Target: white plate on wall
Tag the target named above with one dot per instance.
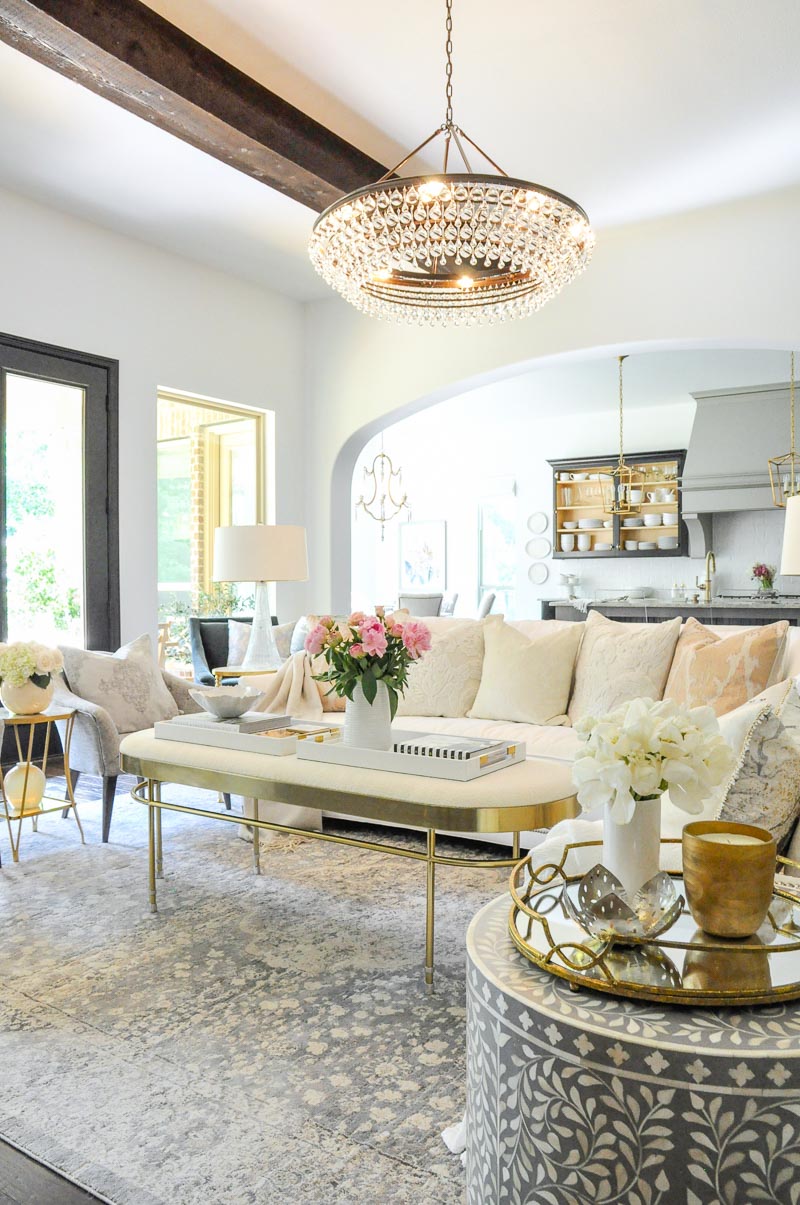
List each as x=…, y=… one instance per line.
x=538, y=548
x=538, y=574
x=538, y=522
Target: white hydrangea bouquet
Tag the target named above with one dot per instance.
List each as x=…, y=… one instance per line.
x=25, y=659
x=629, y=758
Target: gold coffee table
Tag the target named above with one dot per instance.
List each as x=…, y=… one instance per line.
x=13, y=817
x=236, y=671
x=531, y=794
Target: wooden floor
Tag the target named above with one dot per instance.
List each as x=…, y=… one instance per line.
x=23, y=1181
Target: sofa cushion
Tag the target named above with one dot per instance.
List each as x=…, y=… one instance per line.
x=128, y=684
x=526, y=678
x=618, y=662
x=724, y=672
x=444, y=681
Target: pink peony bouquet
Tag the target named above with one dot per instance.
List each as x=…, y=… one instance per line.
x=368, y=649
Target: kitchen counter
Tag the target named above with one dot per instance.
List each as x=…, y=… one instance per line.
x=719, y=611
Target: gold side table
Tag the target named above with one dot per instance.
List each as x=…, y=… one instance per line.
x=236, y=671
x=13, y=817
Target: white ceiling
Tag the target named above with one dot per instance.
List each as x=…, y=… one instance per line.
x=633, y=107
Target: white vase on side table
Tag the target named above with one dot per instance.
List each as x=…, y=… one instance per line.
x=631, y=851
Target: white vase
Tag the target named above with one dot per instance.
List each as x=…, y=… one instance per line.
x=28, y=699
x=368, y=725
x=631, y=851
x=24, y=787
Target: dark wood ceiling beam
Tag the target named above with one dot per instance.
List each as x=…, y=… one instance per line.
x=129, y=54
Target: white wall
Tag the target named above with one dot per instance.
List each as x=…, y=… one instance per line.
x=169, y=322
x=724, y=276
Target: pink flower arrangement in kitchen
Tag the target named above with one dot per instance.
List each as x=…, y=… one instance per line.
x=764, y=575
x=366, y=650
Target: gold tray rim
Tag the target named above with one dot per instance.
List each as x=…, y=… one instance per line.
x=686, y=997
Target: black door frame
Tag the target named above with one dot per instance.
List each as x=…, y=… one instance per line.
x=98, y=376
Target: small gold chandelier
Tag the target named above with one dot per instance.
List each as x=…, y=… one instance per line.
x=622, y=474
x=381, y=504
x=451, y=248
x=784, y=471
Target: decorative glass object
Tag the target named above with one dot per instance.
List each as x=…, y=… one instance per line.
x=451, y=248
x=605, y=909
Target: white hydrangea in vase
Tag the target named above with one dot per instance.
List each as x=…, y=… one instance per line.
x=26, y=676
x=628, y=759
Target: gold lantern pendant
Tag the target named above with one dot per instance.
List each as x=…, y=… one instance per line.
x=784, y=471
x=622, y=474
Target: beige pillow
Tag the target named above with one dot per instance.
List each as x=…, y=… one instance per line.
x=724, y=672
x=128, y=683
x=526, y=678
x=445, y=680
x=619, y=662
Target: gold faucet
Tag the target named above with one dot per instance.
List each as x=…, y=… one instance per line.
x=705, y=586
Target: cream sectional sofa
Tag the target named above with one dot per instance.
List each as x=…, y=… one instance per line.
x=455, y=683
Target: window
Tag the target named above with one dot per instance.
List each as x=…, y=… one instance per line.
x=211, y=473
x=498, y=558
x=59, y=576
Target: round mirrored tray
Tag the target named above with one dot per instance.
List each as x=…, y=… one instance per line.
x=681, y=965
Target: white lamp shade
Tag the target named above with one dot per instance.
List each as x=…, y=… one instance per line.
x=260, y=554
x=790, y=558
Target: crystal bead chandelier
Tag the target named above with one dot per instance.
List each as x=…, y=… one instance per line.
x=379, y=500
x=784, y=471
x=451, y=248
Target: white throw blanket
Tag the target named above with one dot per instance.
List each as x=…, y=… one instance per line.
x=292, y=690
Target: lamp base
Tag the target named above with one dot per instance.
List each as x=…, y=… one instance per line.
x=262, y=652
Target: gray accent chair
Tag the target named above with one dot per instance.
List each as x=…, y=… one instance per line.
x=96, y=739
x=448, y=606
x=486, y=604
x=420, y=605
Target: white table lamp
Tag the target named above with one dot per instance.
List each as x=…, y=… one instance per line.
x=260, y=554
x=790, y=557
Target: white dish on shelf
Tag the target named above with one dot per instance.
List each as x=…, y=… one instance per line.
x=633, y=521
x=589, y=524
x=652, y=520
x=667, y=543
x=584, y=543
x=669, y=518
x=608, y=522
x=602, y=547
x=580, y=476
x=568, y=543
x=647, y=545
x=631, y=545
x=569, y=524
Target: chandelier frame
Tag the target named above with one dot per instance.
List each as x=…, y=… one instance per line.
x=382, y=481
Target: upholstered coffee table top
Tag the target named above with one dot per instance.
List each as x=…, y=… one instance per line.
x=534, y=793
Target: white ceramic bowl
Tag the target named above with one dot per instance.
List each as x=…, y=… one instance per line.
x=227, y=702
x=669, y=518
x=569, y=524
x=602, y=547
x=568, y=543
x=652, y=520
x=590, y=524
x=631, y=545
x=633, y=521
x=647, y=545
x=608, y=522
x=580, y=476
x=584, y=543
x=668, y=542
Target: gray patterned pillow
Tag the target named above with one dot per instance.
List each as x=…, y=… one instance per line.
x=128, y=683
x=766, y=789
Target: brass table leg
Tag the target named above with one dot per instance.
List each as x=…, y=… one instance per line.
x=159, y=841
x=151, y=841
x=430, y=904
x=515, y=849
x=256, y=842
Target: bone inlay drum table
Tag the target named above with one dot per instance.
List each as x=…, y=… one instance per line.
x=576, y=1097
x=531, y=794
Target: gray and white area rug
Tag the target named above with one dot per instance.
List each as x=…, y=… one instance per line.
x=259, y=1040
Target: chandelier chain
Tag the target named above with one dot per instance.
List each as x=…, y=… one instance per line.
x=448, y=49
x=621, y=414
x=791, y=404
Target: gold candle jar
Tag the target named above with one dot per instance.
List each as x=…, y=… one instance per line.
x=712, y=965
x=728, y=876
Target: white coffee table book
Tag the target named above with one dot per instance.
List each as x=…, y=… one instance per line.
x=459, y=759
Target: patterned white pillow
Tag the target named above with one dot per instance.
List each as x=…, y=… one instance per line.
x=128, y=683
x=444, y=682
x=238, y=639
x=619, y=662
x=766, y=789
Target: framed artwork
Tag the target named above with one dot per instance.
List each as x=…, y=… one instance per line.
x=423, y=555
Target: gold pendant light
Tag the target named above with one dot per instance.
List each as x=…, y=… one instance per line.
x=622, y=475
x=784, y=471
x=451, y=248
